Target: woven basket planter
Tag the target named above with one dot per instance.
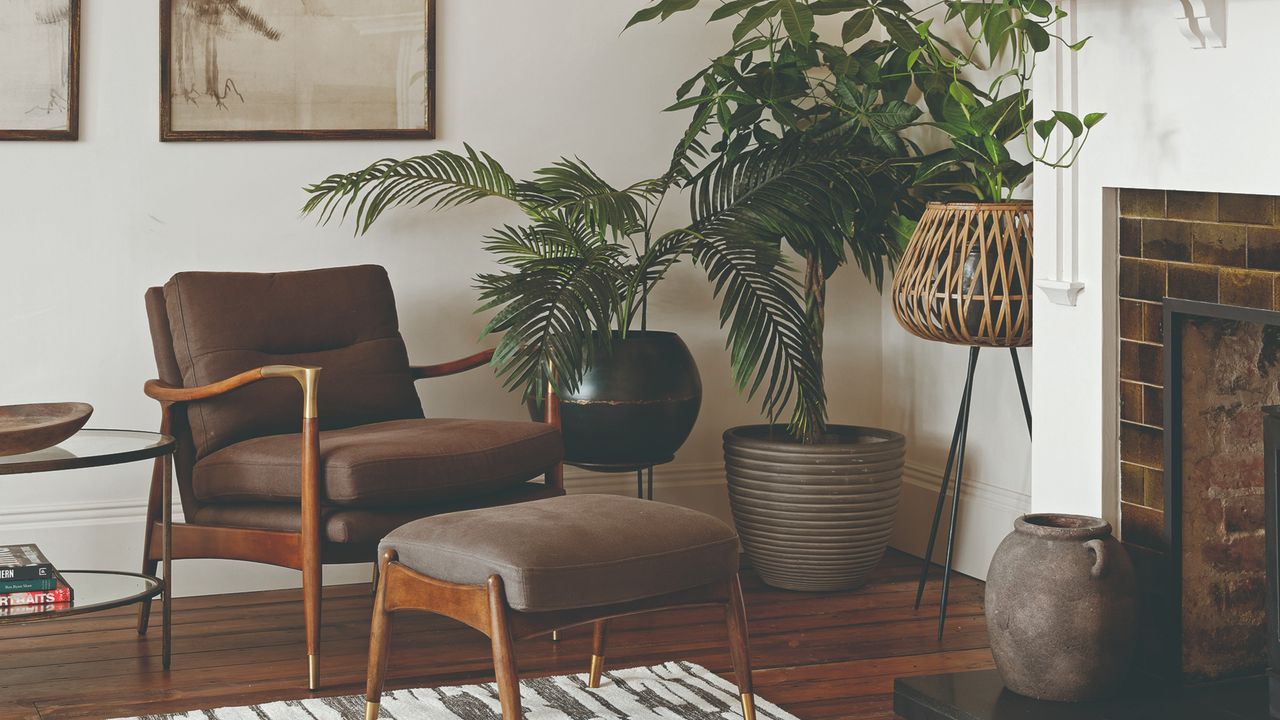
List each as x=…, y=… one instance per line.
x=814, y=517
x=966, y=275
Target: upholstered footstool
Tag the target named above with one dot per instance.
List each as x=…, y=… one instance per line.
x=523, y=570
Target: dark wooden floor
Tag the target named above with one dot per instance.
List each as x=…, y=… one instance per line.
x=817, y=656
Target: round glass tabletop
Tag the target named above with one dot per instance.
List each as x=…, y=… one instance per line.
x=92, y=590
x=90, y=448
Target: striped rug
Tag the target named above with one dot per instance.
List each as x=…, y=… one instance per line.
x=676, y=690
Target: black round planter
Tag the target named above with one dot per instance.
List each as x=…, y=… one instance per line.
x=636, y=405
x=814, y=517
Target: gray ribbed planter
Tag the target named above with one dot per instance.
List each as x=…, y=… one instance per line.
x=814, y=517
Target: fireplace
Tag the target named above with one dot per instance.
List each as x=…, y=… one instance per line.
x=1199, y=359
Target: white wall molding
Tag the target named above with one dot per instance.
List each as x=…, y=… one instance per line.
x=971, y=489
x=71, y=514
x=132, y=510
x=987, y=512
x=1056, y=190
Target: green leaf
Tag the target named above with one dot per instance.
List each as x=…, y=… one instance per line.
x=962, y=94
x=671, y=7
x=754, y=17
x=835, y=7
x=1039, y=8
x=1044, y=128
x=645, y=15
x=1080, y=44
x=1093, y=119
x=733, y=7
x=1037, y=35
x=900, y=31
x=797, y=19
x=1070, y=122
x=444, y=178
x=857, y=25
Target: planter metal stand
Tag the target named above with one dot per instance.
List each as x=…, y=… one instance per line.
x=955, y=458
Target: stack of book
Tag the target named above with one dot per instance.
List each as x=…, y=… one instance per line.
x=29, y=583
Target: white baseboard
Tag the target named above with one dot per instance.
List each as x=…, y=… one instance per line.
x=987, y=512
x=108, y=535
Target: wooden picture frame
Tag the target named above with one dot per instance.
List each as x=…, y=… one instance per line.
x=63, y=96
x=206, y=113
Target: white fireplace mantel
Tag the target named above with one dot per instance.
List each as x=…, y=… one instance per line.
x=1178, y=117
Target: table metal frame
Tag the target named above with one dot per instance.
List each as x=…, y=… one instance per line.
x=164, y=448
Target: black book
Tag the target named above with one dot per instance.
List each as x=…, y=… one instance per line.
x=24, y=562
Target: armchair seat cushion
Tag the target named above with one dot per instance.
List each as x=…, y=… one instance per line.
x=387, y=464
x=357, y=526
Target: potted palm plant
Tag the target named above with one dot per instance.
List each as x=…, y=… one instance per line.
x=574, y=282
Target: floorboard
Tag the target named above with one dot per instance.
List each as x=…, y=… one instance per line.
x=820, y=656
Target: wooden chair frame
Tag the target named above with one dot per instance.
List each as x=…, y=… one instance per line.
x=484, y=607
x=304, y=550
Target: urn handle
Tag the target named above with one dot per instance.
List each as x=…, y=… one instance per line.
x=1099, y=549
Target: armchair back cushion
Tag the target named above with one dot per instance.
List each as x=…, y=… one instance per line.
x=340, y=319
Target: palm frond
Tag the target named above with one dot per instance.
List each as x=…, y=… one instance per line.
x=443, y=178
x=555, y=309
x=768, y=334
x=664, y=252
x=571, y=187
x=745, y=209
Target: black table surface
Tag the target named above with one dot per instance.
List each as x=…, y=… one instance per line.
x=981, y=695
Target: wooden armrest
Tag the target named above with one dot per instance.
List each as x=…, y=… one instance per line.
x=453, y=367
x=306, y=377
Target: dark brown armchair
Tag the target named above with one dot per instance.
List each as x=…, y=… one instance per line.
x=301, y=438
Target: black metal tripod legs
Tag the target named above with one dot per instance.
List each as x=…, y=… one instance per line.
x=955, y=458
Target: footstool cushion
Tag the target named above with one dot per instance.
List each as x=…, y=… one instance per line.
x=575, y=551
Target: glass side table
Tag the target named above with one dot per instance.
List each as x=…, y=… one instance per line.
x=96, y=589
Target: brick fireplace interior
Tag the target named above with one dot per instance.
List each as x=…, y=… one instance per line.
x=1222, y=250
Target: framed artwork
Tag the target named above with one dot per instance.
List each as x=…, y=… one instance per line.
x=297, y=69
x=39, y=69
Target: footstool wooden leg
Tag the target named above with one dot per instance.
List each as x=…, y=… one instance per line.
x=597, y=653
x=504, y=653
x=379, y=641
x=736, y=617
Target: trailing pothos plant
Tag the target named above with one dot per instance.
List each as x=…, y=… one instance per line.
x=858, y=93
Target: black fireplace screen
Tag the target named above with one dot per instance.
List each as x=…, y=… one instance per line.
x=1222, y=367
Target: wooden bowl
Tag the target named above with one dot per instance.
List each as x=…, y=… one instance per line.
x=27, y=428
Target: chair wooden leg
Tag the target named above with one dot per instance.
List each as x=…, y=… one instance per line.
x=504, y=654
x=597, y=653
x=312, y=574
x=379, y=642
x=736, y=618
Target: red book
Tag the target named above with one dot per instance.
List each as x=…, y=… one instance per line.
x=17, y=610
x=59, y=595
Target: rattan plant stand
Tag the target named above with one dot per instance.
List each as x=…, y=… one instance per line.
x=965, y=279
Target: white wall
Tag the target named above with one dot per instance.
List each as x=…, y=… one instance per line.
x=1180, y=119
x=85, y=227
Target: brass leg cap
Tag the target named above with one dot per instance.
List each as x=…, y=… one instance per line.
x=748, y=706
x=313, y=672
x=555, y=636
x=597, y=667
x=371, y=710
